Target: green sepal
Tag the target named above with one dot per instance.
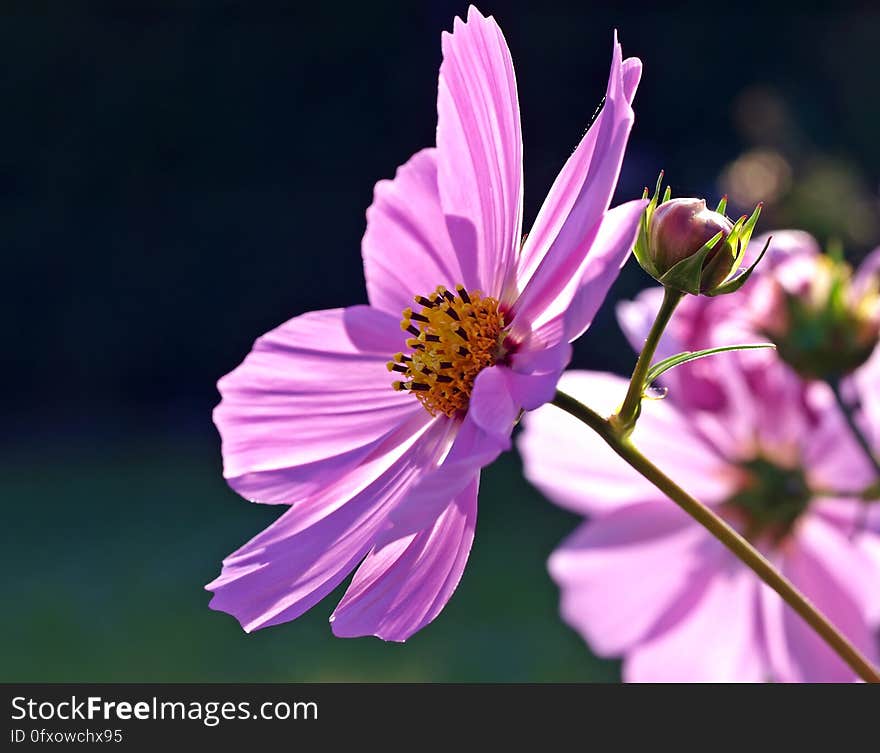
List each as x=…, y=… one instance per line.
x=750, y=223
x=722, y=206
x=734, y=284
x=657, y=199
x=739, y=238
x=744, y=236
x=687, y=274
x=677, y=360
x=640, y=249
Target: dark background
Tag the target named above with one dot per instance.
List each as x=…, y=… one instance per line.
x=177, y=178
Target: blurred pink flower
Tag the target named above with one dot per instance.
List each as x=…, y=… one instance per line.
x=743, y=433
x=385, y=480
x=792, y=264
x=643, y=580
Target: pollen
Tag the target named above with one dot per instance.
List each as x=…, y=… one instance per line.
x=454, y=336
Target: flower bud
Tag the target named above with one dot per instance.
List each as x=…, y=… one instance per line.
x=680, y=228
x=690, y=248
x=823, y=325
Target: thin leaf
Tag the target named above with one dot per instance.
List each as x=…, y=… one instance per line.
x=677, y=360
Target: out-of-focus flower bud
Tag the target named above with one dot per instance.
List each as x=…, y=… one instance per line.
x=822, y=323
x=688, y=247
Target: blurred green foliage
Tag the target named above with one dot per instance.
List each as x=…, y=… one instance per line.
x=114, y=542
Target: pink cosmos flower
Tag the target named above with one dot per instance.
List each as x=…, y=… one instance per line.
x=380, y=470
x=641, y=579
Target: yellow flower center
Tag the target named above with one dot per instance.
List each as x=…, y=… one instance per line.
x=454, y=337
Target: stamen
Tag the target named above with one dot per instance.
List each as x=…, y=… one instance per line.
x=439, y=370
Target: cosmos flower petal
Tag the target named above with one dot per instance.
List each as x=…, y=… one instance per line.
x=492, y=408
x=640, y=558
x=865, y=382
x=869, y=544
x=479, y=152
x=577, y=470
x=632, y=74
x=582, y=290
x=720, y=616
x=784, y=245
x=778, y=421
x=832, y=546
x=402, y=585
x=832, y=456
x=613, y=243
x=577, y=201
x=845, y=513
x=482, y=437
x=537, y=357
x=311, y=401
x=818, y=561
x=306, y=553
x=406, y=248
x=535, y=371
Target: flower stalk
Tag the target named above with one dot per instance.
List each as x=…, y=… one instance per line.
x=620, y=442
x=848, y=414
x=847, y=411
x=625, y=419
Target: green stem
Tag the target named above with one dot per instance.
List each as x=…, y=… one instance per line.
x=845, y=408
x=847, y=411
x=629, y=411
x=724, y=533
